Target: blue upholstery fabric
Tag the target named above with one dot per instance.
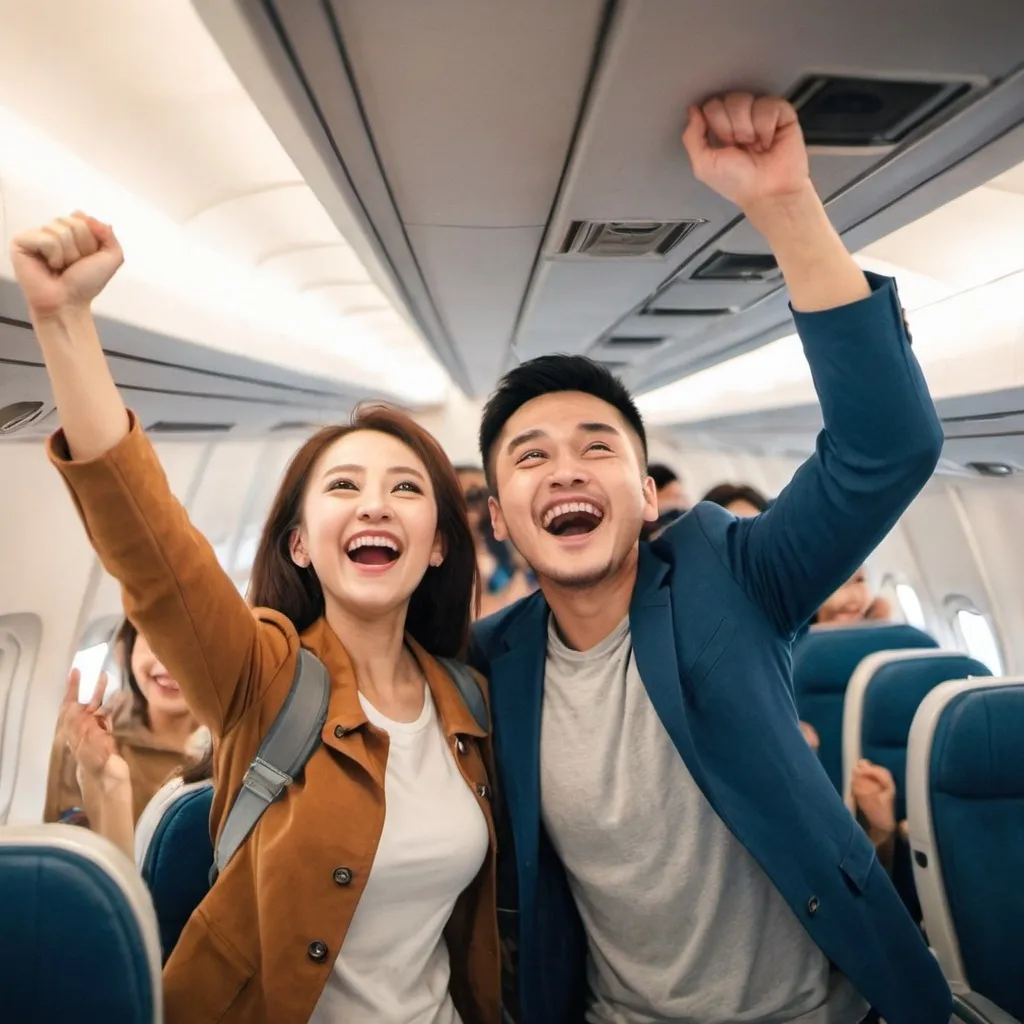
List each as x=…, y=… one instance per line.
x=178, y=862
x=71, y=947
x=823, y=662
x=890, y=703
x=977, y=800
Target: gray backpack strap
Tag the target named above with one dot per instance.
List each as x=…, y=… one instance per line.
x=469, y=690
x=288, y=745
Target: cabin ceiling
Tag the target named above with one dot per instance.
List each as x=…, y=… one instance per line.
x=475, y=139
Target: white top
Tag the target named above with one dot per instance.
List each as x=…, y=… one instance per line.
x=682, y=923
x=393, y=965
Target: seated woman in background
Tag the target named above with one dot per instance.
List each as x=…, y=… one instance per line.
x=150, y=728
x=104, y=777
x=854, y=602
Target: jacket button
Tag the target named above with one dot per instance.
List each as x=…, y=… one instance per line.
x=461, y=747
x=340, y=732
x=482, y=791
x=317, y=951
x=812, y=905
x=342, y=876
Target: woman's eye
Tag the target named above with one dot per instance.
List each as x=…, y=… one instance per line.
x=341, y=485
x=409, y=487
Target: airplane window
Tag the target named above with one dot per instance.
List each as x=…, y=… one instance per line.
x=978, y=639
x=19, y=642
x=95, y=655
x=910, y=603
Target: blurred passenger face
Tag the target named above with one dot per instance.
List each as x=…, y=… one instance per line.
x=849, y=603
x=743, y=508
x=572, y=491
x=671, y=497
x=474, y=490
x=162, y=693
x=369, y=524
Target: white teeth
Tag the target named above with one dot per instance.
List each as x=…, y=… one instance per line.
x=371, y=541
x=570, y=506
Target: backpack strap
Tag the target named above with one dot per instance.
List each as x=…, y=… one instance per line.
x=469, y=690
x=287, y=746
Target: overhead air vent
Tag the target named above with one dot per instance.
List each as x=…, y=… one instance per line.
x=996, y=469
x=737, y=266
x=669, y=311
x=627, y=341
x=614, y=366
x=290, y=425
x=171, y=427
x=868, y=112
x=626, y=239
x=19, y=415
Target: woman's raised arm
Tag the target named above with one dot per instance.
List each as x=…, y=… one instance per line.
x=174, y=588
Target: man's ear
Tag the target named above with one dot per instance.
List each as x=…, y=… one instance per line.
x=497, y=519
x=297, y=549
x=650, y=500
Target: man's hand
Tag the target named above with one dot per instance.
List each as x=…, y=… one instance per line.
x=748, y=149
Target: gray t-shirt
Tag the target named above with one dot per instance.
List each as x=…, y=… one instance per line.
x=682, y=923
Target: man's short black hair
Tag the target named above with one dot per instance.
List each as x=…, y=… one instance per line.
x=661, y=475
x=546, y=375
x=726, y=494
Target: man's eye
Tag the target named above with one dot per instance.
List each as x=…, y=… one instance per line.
x=534, y=454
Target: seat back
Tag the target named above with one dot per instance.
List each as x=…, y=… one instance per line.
x=965, y=799
x=176, y=857
x=824, y=659
x=79, y=936
x=881, y=700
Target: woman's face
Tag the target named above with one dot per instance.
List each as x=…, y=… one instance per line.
x=849, y=603
x=162, y=693
x=369, y=524
x=742, y=508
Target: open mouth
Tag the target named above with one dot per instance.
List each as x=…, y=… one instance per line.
x=372, y=549
x=572, y=519
x=167, y=684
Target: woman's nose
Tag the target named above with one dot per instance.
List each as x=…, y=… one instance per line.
x=374, y=512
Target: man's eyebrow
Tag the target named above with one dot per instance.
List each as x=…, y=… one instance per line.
x=598, y=428
x=523, y=438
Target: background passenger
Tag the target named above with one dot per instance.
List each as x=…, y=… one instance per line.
x=854, y=601
x=740, y=499
x=670, y=493
x=150, y=726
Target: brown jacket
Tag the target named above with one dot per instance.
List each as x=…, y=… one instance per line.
x=151, y=761
x=252, y=951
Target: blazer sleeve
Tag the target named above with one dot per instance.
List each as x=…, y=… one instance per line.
x=880, y=442
x=173, y=587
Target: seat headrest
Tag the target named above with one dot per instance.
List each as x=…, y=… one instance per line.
x=976, y=751
x=897, y=688
x=79, y=940
x=825, y=658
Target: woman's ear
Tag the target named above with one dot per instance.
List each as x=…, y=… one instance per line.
x=297, y=549
x=437, y=551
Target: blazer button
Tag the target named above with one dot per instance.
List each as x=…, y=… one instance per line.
x=483, y=792
x=460, y=746
x=340, y=732
x=317, y=951
x=342, y=876
x=812, y=905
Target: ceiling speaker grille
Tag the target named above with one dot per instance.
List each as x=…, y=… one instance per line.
x=626, y=239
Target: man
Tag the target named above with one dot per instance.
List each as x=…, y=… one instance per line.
x=668, y=487
x=675, y=851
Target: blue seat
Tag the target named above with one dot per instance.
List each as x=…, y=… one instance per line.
x=78, y=941
x=965, y=798
x=824, y=659
x=175, y=859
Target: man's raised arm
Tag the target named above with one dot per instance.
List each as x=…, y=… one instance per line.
x=881, y=438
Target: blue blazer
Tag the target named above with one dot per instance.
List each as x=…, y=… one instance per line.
x=716, y=605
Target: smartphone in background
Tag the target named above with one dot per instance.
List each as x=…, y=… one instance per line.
x=90, y=661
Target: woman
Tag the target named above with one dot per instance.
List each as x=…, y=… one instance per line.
x=151, y=730
x=367, y=892
x=853, y=602
x=108, y=790
x=740, y=499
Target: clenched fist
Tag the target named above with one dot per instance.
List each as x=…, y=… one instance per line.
x=748, y=149
x=65, y=264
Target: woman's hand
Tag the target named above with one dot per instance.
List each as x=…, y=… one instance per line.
x=874, y=792
x=62, y=266
x=86, y=730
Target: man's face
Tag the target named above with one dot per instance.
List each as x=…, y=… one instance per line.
x=474, y=490
x=572, y=494
x=671, y=497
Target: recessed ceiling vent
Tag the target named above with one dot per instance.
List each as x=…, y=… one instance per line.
x=629, y=341
x=289, y=425
x=863, y=112
x=626, y=239
x=996, y=469
x=19, y=415
x=171, y=427
x=737, y=266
